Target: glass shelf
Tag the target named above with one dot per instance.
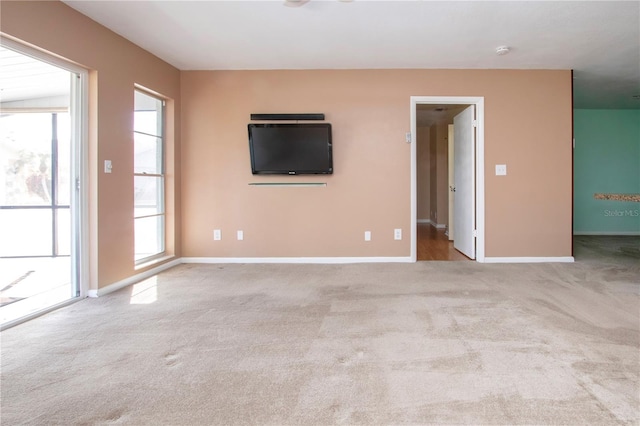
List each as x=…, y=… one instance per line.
x=299, y=184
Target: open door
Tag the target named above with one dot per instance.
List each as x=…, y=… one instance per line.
x=464, y=217
x=451, y=181
x=41, y=163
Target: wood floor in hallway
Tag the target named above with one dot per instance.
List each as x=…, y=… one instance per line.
x=433, y=244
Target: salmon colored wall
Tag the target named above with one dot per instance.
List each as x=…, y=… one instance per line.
x=116, y=65
x=527, y=127
x=423, y=170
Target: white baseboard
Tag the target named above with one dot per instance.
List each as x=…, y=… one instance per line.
x=567, y=259
x=605, y=233
x=432, y=223
x=300, y=260
x=399, y=259
x=133, y=279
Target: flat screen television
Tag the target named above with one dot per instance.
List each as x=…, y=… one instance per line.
x=291, y=149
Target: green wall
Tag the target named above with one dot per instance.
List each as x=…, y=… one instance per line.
x=606, y=159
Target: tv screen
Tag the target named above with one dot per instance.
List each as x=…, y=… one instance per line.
x=291, y=149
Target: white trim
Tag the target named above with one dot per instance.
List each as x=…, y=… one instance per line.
x=480, y=205
x=607, y=233
x=154, y=260
x=432, y=223
x=321, y=260
x=480, y=236
x=80, y=101
x=39, y=54
x=134, y=279
x=413, y=248
x=567, y=259
x=280, y=260
x=160, y=133
x=37, y=314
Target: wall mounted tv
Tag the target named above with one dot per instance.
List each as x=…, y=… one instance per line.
x=291, y=149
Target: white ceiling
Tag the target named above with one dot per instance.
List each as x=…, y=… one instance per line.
x=429, y=114
x=599, y=40
x=22, y=77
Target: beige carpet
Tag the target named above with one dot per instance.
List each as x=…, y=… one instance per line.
x=425, y=343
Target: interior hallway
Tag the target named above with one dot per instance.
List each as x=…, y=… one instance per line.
x=433, y=244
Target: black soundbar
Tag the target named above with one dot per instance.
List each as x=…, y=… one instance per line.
x=287, y=116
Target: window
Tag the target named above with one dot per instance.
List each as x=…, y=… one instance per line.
x=149, y=178
x=36, y=184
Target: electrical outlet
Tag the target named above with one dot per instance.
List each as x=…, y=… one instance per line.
x=397, y=234
x=501, y=169
x=367, y=235
x=217, y=235
x=240, y=235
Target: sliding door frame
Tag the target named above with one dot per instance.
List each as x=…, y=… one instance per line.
x=79, y=202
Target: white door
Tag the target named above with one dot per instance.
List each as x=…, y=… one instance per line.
x=451, y=181
x=464, y=216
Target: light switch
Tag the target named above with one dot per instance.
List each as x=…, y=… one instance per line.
x=367, y=235
x=240, y=235
x=501, y=169
x=107, y=166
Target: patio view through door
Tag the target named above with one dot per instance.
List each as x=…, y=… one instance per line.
x=39, y=179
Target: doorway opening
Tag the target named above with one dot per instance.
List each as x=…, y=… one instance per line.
x=427, y=229
x=41, y=172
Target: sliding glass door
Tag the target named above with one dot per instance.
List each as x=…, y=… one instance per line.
x=39, y=178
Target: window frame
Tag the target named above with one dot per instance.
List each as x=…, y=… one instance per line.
x=161, y=176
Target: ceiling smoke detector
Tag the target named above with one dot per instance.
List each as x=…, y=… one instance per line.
x=298, y=3
x=502, y=50
x=295, y=3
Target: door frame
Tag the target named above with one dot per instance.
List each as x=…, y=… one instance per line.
x=79, y=98
x=478, y=101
